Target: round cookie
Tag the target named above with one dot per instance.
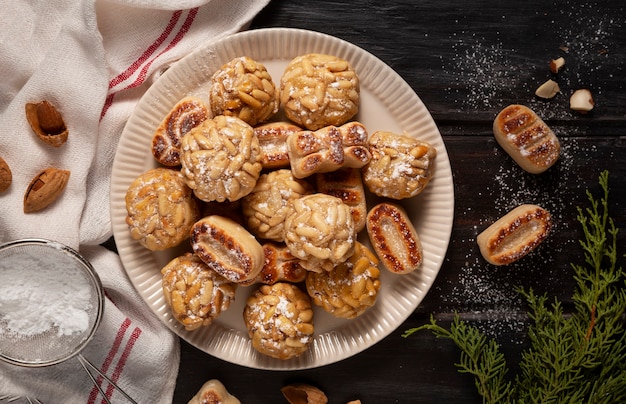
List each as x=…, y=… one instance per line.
x=318, y=90
x=160, y=209
x=221, y=159
x=269, y=203
x=320, y=231
x=279, y=319
x=351, y=288
x=195, y=293
x=244, y=88
x=401, y=166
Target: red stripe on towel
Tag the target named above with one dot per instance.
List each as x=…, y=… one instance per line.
x=109, y=359
x=148, y=52
x=144, y=70
x=121, y=363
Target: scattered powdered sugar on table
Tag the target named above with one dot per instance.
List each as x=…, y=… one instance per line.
x=486, y=71
x=50, y=297
x=483, y=74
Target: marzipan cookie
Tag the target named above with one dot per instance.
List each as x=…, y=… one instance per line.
x=515, y=234
x=318, y=90
x=280, y=265
x=221, y=159
x=166, y=141
x=273, y=142
x=526, y=138
x=401, y=166
x=213, y=392
x=227, y=248
x=195, y=293
x=160, y=209
x=351, y=288
x=279, y=319
x=320, y=231
x=243, y=88
x=328, y=149
x=346, y=184
x=269, y=203
x=394, y=238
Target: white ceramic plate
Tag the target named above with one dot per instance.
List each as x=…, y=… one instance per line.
x=387, y=103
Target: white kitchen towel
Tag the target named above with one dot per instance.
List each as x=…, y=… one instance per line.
x=93, y=60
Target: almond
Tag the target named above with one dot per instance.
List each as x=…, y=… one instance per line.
x=581, y=101
x=300, y=393
x=557, y=64
x=44, y=189
x=47, y=123
x=548, y=89
x=5, y=175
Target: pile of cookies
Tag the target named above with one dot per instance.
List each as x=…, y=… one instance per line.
x=268, y=184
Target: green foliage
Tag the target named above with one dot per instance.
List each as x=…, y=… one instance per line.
x=571, y=358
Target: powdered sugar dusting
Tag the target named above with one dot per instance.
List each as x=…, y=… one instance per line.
x=35, y=301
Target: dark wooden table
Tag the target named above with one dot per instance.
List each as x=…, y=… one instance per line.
x=467, y=60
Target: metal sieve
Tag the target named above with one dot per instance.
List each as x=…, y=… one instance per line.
x=27, y=265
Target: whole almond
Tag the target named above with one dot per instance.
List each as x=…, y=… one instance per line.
x=5, y=175
x=47, y=122
x=50, y=120
x=301, y=393
x=44, y=189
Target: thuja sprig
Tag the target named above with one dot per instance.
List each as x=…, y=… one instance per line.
x=577, y=358
x=480, y=357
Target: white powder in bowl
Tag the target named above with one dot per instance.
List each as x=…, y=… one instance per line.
x=42, y=293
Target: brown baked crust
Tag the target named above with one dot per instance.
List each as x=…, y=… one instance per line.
x=273, y=143
x=227, y=248
x=526, y=138
x=280, y=265
x=184, y=116
x=515, y=234
x=328, y=149
x=346, y=184
x=394, y=238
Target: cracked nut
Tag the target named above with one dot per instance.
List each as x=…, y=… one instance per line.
x=548, y=89
x=557, y=64
x=300, y=393
x=5, y=175
x=47, y=123
x=44, y=189
x=581, y=101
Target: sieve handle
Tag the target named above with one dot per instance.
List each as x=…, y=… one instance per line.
x=86, y=364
